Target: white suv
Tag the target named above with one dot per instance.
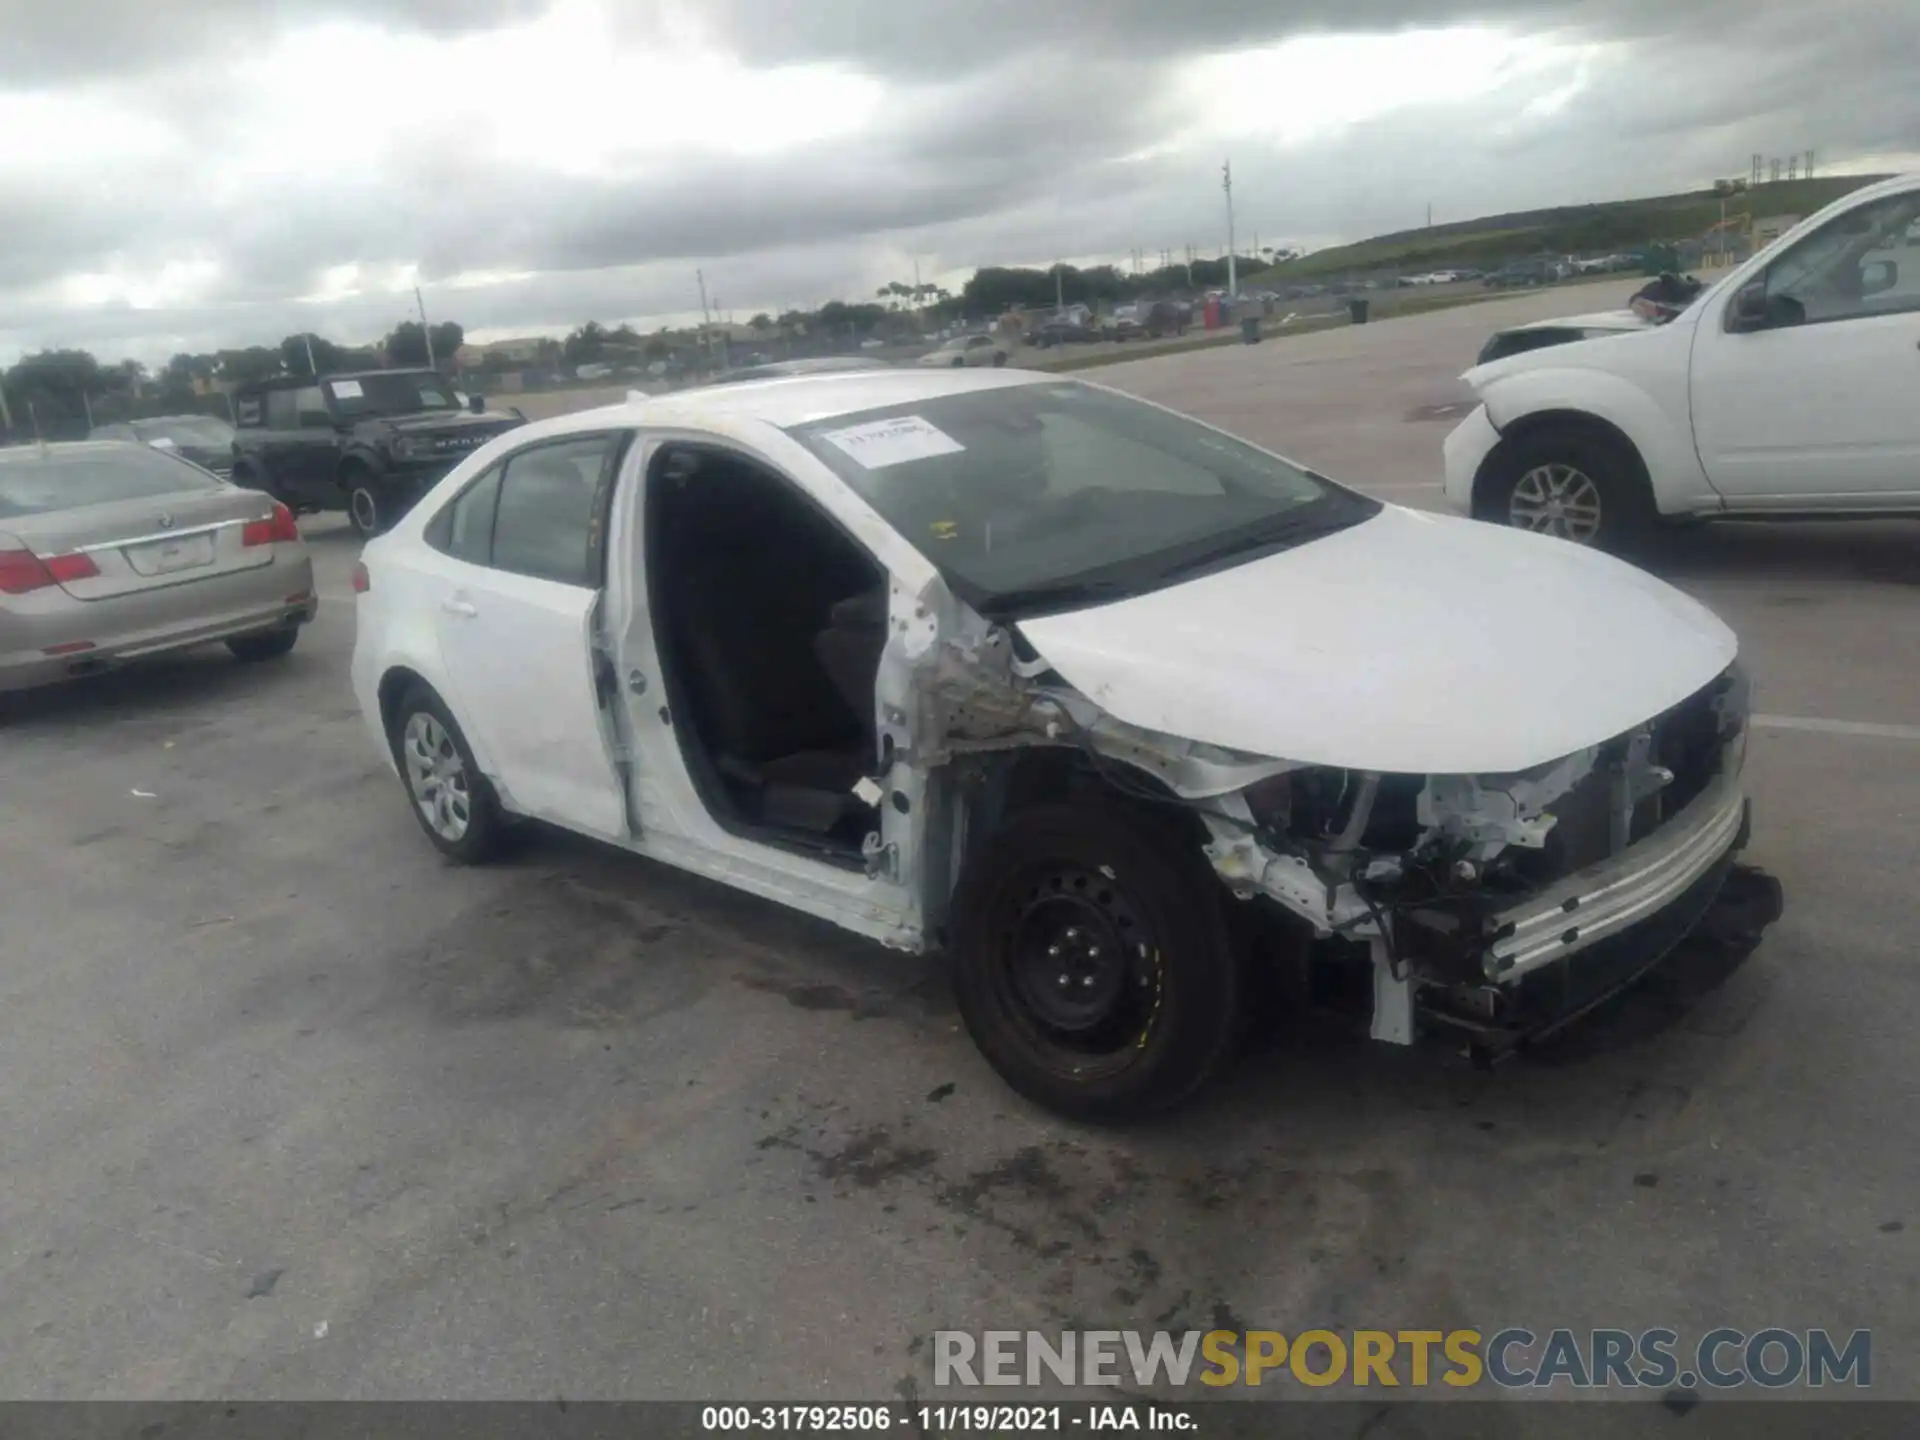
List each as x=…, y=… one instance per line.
x=1788, y=389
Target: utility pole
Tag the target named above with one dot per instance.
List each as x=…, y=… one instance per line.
x=426, y=331
x=1059, y=290
x=1809, y=171
x=312, y=369
x=1429, y=214
x=706, y=316
x=1226, y=184
x=86, y=402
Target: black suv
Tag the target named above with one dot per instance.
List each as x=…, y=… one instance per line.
x=370, y=443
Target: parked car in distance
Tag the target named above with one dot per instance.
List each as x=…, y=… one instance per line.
x=1149, y=321
x=112, y=551
x=369, y=443
x=1060, y=330
x=1011, y=665
x=783, y=369
x=1522, y=273
x=1539, y=334
x=203, y=439
x=965, y=350
x=1783, y=390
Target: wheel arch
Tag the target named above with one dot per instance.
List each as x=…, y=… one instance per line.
x=358, y=461
x=1653, y=433
x=1583, y=423
x=394, y=684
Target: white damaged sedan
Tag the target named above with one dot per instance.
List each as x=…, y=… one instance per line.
x=1112, y=706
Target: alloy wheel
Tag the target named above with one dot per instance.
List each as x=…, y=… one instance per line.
x=437, y=777
x=1558, y=500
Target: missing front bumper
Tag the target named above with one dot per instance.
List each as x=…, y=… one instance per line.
x=1724, y=911
x=1593, y=904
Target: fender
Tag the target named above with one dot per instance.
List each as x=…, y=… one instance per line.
x=362, y=454
x=1662, y=431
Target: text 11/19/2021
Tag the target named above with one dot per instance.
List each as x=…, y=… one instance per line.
x=944, y=1419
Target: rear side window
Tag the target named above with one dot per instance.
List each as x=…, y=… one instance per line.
x=544, y=525
x=32, y=483
x=464, y=529
x=537, y=513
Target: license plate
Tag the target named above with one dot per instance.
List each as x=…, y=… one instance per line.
x=164, y=557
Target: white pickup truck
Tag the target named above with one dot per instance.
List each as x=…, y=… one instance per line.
x=1791, y=388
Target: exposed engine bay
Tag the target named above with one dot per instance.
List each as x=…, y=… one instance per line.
x=1458, y=887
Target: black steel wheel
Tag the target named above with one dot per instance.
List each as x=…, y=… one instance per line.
x=1092, y=962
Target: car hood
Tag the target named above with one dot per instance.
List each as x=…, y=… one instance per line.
x=446, y=422
x=1602, y=350
x=1411, y=643
x=1598, y=320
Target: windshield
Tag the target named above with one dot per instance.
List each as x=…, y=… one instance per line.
x=395, y=392
x=200, y=432
x=1034, y=498
x=33, y=482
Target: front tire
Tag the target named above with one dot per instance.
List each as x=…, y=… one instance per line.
x=252, y=649
x=1571, y=484
x=369, y=506
x=450, y=797
x=1092, y=962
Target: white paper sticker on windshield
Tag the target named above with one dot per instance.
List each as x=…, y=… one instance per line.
x=347, y=390
x=881, y=443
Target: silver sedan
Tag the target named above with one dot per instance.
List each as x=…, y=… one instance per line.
x=111, y=552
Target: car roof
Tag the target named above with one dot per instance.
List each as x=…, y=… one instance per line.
x=301, y=382
x=786, y=401
x=28, y=451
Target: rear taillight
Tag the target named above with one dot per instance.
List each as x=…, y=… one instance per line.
x=22, y=571
x=280, y=530
x=72, y=567
x=362, y=582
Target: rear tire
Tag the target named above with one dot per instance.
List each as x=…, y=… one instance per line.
x=447, y=793
x=1092, y=961
x=1571, y=483
x=272, y=645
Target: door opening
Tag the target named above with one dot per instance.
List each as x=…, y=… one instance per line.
x=769, y=621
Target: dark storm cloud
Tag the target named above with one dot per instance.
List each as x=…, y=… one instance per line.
x=939, y=37
x=53, y=42
x=1002, y=140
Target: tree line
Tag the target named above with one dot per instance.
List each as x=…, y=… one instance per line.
x=61, y=393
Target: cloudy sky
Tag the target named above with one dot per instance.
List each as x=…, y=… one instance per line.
x=225, y=172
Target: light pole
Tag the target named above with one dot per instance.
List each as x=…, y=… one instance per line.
x=1226, y=184
x=426, y=331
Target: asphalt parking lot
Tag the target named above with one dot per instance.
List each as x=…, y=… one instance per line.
x=289, y=1107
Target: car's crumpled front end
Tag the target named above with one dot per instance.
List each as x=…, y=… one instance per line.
x=1501, y=905
x=1503, y=773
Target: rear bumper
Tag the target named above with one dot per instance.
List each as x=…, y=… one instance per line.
x=1465, y=450
x=86, y=636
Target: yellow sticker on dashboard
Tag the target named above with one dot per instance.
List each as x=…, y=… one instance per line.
x=946, y=529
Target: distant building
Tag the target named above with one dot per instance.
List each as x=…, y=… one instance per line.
x=522, y=350
x=1769, y=228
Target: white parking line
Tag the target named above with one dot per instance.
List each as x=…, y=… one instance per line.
x=1837, y=727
